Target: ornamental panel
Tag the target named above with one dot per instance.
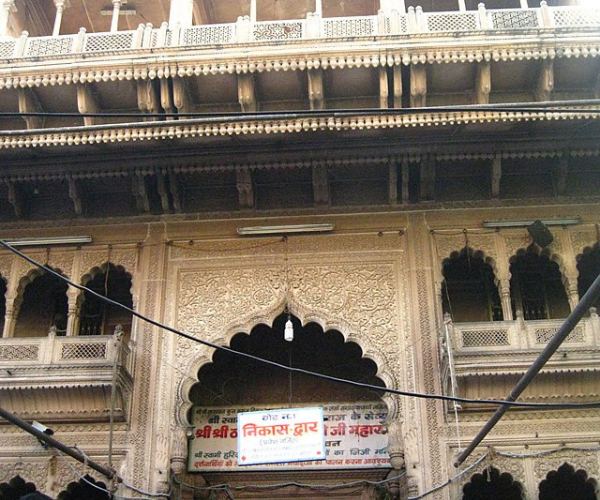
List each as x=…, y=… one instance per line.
x=344, y=27
x=109, y=41
x=208, y=35
x=7, y=49
x=576, y=17
x=278, y=30
x=49, y=46
x=514, y=19
x=452, y=22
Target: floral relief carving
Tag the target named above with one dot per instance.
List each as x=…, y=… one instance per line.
x=515, y=242
x=583, y=239
x=579, y=459
x=62, y=261
x=5, y=266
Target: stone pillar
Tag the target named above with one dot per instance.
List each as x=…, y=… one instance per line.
x=252, y=11
x=570, y=283
x=73, y=313
x=114, y=25
x=461, y=6
x=10, y=317
x=182, y=12
x=60, y=7
x=319, y=7
x=524, y=4
x=504, y=291
x=5, y=8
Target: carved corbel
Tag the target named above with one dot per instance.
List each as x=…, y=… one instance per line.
x=545, y=83
x=181, y=95
x=320, y=181
x=561, y=172
x=247, y=93
x=75, y=195
x=29, y=103
x=397, y=74
x=316, y=89
x=483, y=83
x=140, y=193
x=393, y=182
x=161, y=186
x=245, y=188
x=384, y=92
x=418, y=86
x=427, y=187
x=15, y=198
x=496, y=175
x=175, y=191
x=87, y=103
x=148, y=97
x=166, y=96
x=405, y=176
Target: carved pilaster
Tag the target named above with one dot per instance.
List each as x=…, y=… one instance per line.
x=75, y=195
x=392, y=182
x=397, y=74
x=384, y=92
x=161, y=187
x=166, y=96
x=141, y=193
x=181, y=97
x=15, y=199
x=148, y=97
x=427, y=187
x=175, y=190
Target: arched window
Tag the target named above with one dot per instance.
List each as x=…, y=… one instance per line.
x=44, y=305
x=588, y=266
x=566, y=484
x=2, y=304
x=98, y=317
x=536, y=287
x=87, y=488
x=491, y=485
x=469, y=291
x=16, y=488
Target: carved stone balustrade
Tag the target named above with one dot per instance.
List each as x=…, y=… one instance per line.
x=488, y=358
x=489, y=22
x=67, y=378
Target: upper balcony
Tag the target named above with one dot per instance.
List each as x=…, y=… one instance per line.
x=410, y=26
x=66, y=378
x=486, y=359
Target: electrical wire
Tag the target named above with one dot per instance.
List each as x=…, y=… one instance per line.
x=441, y=397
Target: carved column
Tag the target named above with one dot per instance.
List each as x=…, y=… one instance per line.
x=5, y=8
x=10, y=316
x=252, y=11
x=502, y=271
x=504, y=291
x=114, y=24
x=524, y=4
x=73, y=312
x=418, y=86
x=182, y=12
x=60, y=7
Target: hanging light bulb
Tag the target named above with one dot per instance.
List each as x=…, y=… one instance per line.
x=288, y=333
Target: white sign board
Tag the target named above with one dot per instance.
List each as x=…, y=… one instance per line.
x=277, y=436
x=355, y=437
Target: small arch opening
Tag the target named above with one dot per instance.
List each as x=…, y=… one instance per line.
x=16, y=488
x=492, y=485
x=588, y=266
x=98, y=317
x=567, y=484
x=536, y=286
x=44, y=305
x=469, y=291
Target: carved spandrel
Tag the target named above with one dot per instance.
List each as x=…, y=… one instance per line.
x=582, y=240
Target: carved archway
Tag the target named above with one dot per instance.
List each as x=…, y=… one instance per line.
x=568, y=484
x=491, y=484
x=301, y=317
x=588, y=267
x=87, y=487
x=16, y=488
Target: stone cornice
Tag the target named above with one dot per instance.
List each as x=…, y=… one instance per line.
x=292, y=123
x=142, y=64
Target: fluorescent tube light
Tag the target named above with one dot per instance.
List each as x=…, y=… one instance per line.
x=57, y=240
x=292, y=229
x=565, y=221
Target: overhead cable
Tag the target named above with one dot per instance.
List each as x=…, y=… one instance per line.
x=442, y=397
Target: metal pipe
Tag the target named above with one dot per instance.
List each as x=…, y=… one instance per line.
x=110, y=474
x=586, y=302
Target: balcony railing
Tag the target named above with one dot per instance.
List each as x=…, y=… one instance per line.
x=80, y=351
x=520, y=335
x=415, y=21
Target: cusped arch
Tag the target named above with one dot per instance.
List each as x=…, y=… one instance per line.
x=491, y=484
x=29, y=277
x=204, y=355
x=566, y=483
x=550, y=253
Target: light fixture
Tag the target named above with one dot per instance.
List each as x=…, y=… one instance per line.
x=288, y=332
x=290, y=229
x=564, y=221
x=57, y=240
x=125, y=10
